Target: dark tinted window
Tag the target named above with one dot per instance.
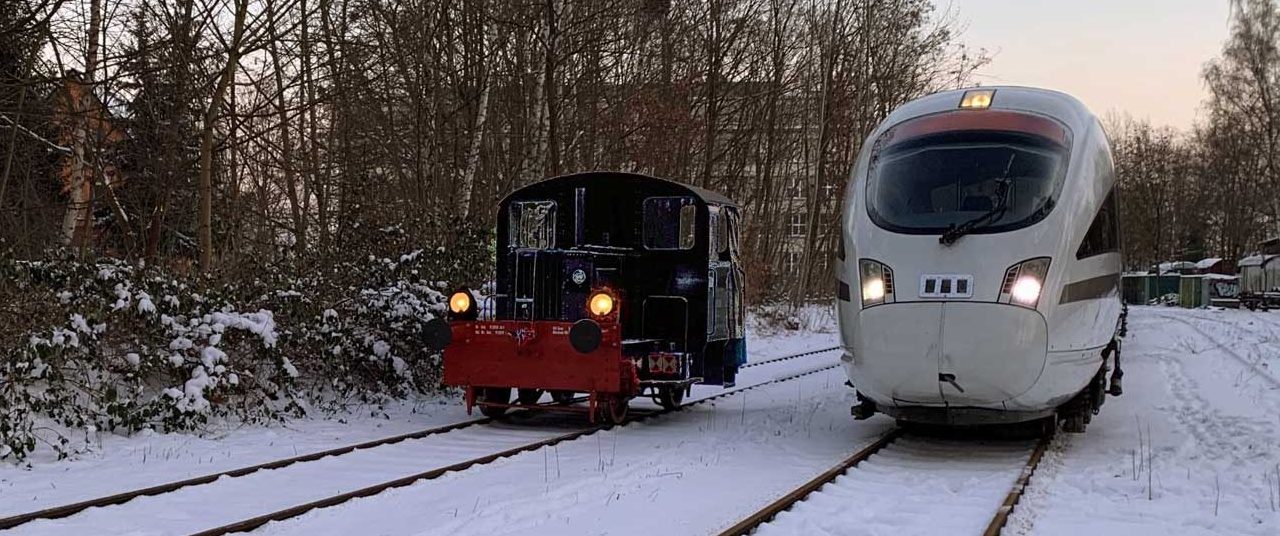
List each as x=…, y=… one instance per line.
x=670, y=223
x=927, y=184
x=1104, y=232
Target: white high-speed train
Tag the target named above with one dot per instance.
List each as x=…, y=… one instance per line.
x=979, y=268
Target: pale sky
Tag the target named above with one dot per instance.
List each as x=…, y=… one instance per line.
x=1143, y=57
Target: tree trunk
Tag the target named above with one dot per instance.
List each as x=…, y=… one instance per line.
x=206, y=139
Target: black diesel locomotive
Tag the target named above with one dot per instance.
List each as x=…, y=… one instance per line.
x=612, y=285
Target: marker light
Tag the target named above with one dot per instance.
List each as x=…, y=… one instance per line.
x=460, y=302
x=1026, y=291
x=978, y=98
x=600, y=304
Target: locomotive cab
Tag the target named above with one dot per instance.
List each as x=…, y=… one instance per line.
x=612, y=285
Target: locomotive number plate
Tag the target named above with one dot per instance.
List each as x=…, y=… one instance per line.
x=946, y=286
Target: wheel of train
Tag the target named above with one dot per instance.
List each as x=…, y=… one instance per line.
x=528, y=397
x=670, y=397
x=499, y=395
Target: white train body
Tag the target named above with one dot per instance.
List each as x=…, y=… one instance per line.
x=954, y=333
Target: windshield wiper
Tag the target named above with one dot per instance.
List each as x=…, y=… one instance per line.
x=1002, y=202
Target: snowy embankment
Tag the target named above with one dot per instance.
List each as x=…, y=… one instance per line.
x=1193, y=446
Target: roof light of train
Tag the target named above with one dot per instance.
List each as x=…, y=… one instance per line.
x=1026, y=290
x=600, y=304
x=978, y=98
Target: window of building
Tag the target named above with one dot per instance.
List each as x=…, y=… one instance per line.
x=791, y=262
x=798, y=226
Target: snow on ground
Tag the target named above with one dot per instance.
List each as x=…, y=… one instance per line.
x=1193, y=446
x=692, y=472
x=119, y=463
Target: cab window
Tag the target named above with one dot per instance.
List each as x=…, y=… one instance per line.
x=533, y=225
x=670, y=223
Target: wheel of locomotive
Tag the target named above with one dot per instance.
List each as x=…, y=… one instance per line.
x=670, y=396
x=1075, y=422
x=528, y=397
x=613, y=409
x=500, y=395
x=563, y=398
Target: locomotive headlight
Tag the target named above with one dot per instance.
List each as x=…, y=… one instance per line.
x=600, y=304
x=1023, y=282
x=459, y=303
x=1026, y=291
x=876, y=281
x=462, y=305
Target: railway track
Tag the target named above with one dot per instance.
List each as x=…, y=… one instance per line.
x=518, y=443
x=962, y=477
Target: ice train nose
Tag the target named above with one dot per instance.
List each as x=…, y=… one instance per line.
x=948, y=353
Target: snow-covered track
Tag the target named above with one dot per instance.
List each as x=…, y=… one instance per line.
x=790, y=357
x=784, y=503
x=1015, y=494
x=915, y=480
x=126, y=496
x=506, y=437
x=253, y=523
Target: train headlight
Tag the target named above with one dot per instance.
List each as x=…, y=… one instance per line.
x=460, y=302
x=876, y=281
x=1023, y=282
x=462, y=305
x=600, y=304
x=873, y=290
x=1026, y=291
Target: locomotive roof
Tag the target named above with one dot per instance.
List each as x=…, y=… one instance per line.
x=620, y=179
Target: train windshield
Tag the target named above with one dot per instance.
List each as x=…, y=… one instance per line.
x=929, y=184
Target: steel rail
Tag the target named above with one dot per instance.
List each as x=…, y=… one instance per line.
x=126, y=496
x=1019, y=486
x=784, y=503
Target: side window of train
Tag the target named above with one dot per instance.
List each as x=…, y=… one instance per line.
x=533, y=225
x=718, y=226
x=1104, y=233
x=670, y=223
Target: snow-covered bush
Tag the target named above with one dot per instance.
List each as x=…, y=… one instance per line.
x=106, y=345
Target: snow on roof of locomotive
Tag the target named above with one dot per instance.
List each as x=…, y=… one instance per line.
x=706, y=196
